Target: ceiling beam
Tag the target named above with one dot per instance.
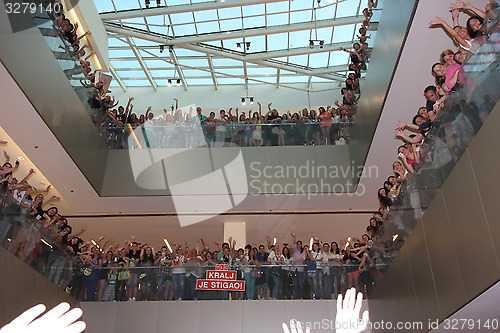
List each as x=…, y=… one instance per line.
x=208, y=49
x=322, y=70
x=142, y=63
x=178, y=68
x=117, y=77
x=154, y=11
x=211, y=66
x=253, y=32
x=299, y=51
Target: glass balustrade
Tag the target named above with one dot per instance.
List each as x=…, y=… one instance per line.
x=39, y=244
x=453, y=130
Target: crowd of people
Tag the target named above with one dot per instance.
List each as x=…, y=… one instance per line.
x=462, y=119
x=104, y=271
x=188, y=127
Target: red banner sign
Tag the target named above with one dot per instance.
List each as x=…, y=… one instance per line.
x=221, y=275
x=220, y=285
x=221, y=279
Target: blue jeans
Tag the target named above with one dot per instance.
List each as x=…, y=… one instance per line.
x=161, y=280
x=276, y=289
x=316, y=283
x=327, y=285
x=179, y=281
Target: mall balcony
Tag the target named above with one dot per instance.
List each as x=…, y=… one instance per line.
x=437, y=255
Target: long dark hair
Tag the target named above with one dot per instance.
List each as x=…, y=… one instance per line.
x=287, y=255
x=384, y=200
x=474, y=33
x=331, y=248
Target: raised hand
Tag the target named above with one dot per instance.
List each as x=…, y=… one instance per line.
x=347, y=319
x=401, y=125
x=436, y=21
x=60, y=319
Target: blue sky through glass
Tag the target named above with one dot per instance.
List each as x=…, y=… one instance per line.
x=265, y=17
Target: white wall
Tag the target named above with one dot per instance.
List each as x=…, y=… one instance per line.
x=207, y=316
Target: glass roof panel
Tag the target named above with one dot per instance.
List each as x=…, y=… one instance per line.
x=277, y=19
x=121, y=53
x=177, y=2
x=115, y=42
x=142, y=42
x=228, y=13
x=229, y=80
x=320, y=80
x=206, y=15
x=126, y=64
x=226, y=62
x=134, y=21
x=302, y=16
x=294, y=79
x=261, y=71
x=185, y=53
x=196, y=72
x=169, y=73
x=180, y=18
x=254, y=22
x=156, y=63
x=137, y=83
x=299, y=38
x=258, y=44
x=343, y=33
x=132, y=74
x=232, y=71
x=125, y=4
x=254, y=10
x=229, y=25
x=158, y=29
x=277, y=41
x=318, y=59
x=200, y=82
x=158, y=20
x=104, y=6
x=325, y=34
x=325, y=13
x=184, y=30
x=298, y=60
x=297, y=5
x=264, y=79
x=194, y=64
x=338, y=58
x=347, y=8
x=277, y=7
x=207, y=27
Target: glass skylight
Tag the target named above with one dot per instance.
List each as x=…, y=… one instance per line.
x=278, y=31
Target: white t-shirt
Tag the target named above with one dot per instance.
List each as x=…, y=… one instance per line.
x=175, y=261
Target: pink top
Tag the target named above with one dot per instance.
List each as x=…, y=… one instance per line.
x=450, y=70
